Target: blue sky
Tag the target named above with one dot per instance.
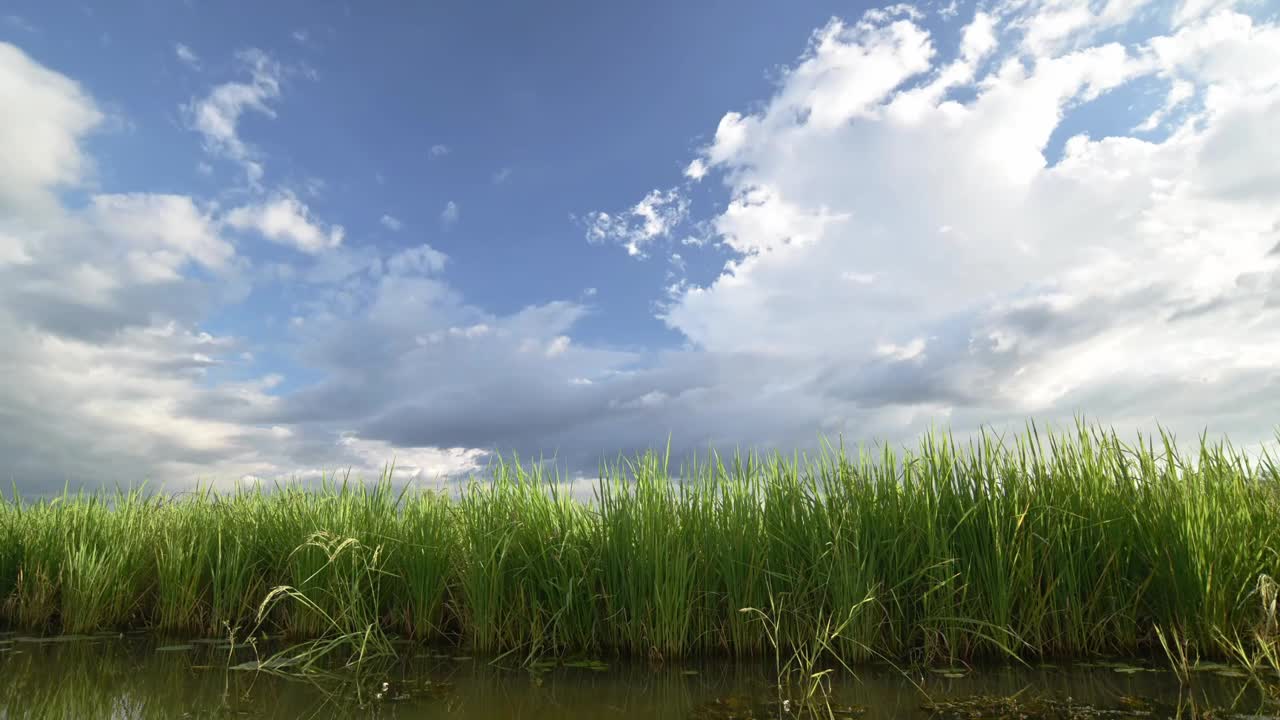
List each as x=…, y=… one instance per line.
x=582, y=105
x=247, y=241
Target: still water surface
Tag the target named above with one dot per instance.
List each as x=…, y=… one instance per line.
x=142, y=677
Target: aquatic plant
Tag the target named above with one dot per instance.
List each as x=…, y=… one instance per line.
x=1043, y=544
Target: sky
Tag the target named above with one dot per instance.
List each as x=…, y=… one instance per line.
x=248, y=242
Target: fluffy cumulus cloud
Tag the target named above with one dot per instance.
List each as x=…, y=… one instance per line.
x=46, y=115
x=914, y=226
x=109, y=376
x=919, y=232
x=99, y=305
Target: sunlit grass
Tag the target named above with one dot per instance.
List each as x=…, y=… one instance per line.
x=1042, y=545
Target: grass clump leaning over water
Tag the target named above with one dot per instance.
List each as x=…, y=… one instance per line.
x=1049, y=545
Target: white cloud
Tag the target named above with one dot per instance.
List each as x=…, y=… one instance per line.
x=501, y=175
x=913, y=350
x=473, y=331
x=391, y=223
x=1180, y=91
x=46, y=116
x=286, y=220
x=428, y=467
x=449, y=216
x=161, y=231
x=186, y=55
x=420, y=260
x=102, y=361
x=217, y=116
x=1127, y=263
x=857, y=277
x=648, y=401
x=654, y=217
x=558, y=345
x=300, y=36
x=13, y=251
x=439, y=150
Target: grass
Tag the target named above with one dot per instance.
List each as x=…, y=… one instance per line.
x=1046, y=545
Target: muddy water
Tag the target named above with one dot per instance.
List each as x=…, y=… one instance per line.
x=141, y=677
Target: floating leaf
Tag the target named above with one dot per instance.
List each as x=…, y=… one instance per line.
x=54, y=639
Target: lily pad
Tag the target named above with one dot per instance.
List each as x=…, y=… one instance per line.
x=1132, y=669
x=54, y=639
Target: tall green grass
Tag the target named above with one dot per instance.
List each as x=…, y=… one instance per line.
x=1044, y=544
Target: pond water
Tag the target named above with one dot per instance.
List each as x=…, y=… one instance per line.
x=134, y=676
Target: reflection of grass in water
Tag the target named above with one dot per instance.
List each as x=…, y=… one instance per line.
x=112, y=678
x=81, y=678
x=92, y=679
x=1051, y=545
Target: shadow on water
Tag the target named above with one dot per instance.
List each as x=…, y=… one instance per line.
x=136, y=676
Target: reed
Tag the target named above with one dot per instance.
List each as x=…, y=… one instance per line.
x=1043, y=544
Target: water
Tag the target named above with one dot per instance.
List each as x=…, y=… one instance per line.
x=109, y=676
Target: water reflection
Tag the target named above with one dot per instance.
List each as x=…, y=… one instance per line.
x=111, y=676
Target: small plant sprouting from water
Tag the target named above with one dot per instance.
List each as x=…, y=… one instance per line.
x=802, y=688
x=1260, y=655
x=345, y=605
